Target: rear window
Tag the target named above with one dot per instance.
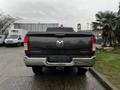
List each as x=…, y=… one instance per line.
x=13, y=36
x=67, y=29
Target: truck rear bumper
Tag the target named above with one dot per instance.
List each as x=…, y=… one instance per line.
x=81, y=62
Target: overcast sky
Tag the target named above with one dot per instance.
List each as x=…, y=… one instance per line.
x=67, y=12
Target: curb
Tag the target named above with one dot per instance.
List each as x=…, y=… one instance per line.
x=103, y=81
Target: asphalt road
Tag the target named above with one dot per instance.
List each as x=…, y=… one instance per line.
x=14, y=75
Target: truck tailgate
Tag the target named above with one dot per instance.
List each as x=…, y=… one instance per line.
x=59, y=43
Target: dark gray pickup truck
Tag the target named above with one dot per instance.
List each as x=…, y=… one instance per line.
x=59, y=47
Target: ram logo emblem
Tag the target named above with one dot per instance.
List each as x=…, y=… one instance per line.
x=60, y=43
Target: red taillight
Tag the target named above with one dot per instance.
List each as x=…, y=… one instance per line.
x=26, y=40
x=93, y=42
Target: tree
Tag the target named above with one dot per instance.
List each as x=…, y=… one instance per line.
x=118, y=25
x=103, y=19
x=5, y=22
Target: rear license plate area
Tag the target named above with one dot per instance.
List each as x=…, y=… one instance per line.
x=59, y=59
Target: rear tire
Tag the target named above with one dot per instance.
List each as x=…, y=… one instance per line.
x=82, y=71
x=37, y=70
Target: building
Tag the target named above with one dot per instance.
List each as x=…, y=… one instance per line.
x=35, y=25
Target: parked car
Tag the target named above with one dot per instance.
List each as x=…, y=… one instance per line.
x=99, y=40
x=59, y=47
x=2, y=38
x=13, y=40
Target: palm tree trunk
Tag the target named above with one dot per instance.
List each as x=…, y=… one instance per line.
x=110, y=38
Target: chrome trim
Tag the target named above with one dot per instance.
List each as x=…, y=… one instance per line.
x=29, y=61
x=85, y=58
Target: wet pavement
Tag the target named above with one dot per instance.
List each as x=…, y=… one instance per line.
x=14, y=75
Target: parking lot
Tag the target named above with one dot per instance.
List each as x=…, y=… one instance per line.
x=14, y=75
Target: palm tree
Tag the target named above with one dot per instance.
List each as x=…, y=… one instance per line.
x=106, y=18
x=117, y=28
